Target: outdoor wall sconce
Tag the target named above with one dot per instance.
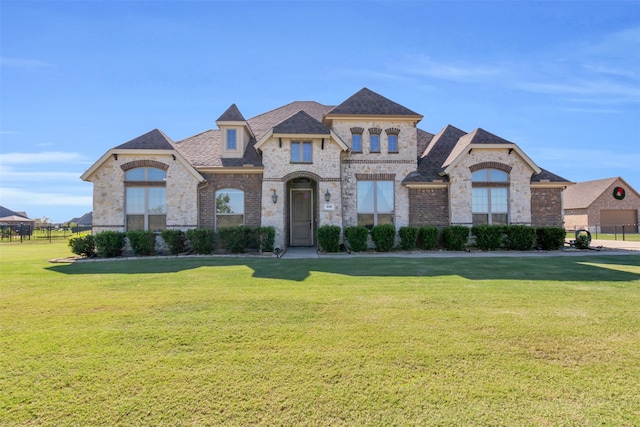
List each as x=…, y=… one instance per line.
x=274, y=196
x=115, y=156
x=327, y=195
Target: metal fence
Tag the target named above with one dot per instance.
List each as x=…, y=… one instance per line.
x=27, y=232
x=619, y=231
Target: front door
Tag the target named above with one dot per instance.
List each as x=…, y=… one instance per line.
x=301, y=217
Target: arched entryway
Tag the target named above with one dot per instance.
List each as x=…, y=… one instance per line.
x=302, y=212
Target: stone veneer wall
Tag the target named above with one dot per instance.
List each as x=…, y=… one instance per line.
x=546, y=207
x=428, y=206
x=278, y=171
x=109, y=193
x=251, y=184
x=519, y=187
x=575, y=219
x=368, y=165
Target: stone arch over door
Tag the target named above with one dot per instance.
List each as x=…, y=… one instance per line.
x=301, y=212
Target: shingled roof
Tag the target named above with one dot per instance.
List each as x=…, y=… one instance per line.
x=301, y=123
x=367, y=102
x=152, y=140
x=232, y=114
x=434, y=155
x=582, y=194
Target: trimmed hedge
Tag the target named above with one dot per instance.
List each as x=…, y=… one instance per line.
x=175, y=240
x=357, y=237
x=550, y=238
x=110, y=244
x=428, y=237
x=201, y=240
x=455, y=237
x=329, y=238
x=83, y=245
x=408, y=237
x=488, y=237
x=235, y=239
x=520, y=237
x=142, y=242
x=383, y=236
x=267, y=238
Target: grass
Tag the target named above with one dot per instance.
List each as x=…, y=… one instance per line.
x=353, y=341
x=630, y=237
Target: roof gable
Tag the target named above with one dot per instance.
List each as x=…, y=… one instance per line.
x=301, y=123
x=232, y=114
x=582, y=194
x=152, y=140
x=4, y=212
x=366, y=102
x=433, y=156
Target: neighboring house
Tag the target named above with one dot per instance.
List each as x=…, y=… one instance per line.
x=603, y=205
x=13, y=218
x=305, y=164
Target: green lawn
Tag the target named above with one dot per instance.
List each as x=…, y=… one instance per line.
x=350, y=341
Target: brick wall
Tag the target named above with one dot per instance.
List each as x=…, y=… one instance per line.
x=546, y=207
x=428, y=206
x=251, y=184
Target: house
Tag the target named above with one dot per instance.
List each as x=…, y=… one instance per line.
x=16, y=220
x=305, y=164
x=602, y=205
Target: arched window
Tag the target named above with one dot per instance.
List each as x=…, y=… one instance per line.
x=490, y=197
x=229, y=207
x=145, y=199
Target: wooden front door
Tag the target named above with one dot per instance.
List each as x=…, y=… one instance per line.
x=301, y=217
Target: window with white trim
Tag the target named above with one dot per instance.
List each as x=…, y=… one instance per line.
x=490, y=197
x=145, y=199
x=229, y=207
x=375, y=203
x=301, y=152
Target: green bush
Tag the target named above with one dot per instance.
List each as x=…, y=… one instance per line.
x=175, y=240
x=583, y=239
x=237, y=239
x=357, y=237
x=110, y=244
x=488, y=237
x=201, y=240
x=408, y=237
x=520, y=237
x=550, y=238
x=266, y=237
x=329, y=238
x=83, y=245
x=428, y=237
x=383, y=236
x=455, y=237
x=142, y=242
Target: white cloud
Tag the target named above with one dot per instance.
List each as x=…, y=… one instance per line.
x=19, y=197
x=41, y=157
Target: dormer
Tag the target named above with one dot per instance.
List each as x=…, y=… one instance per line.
x=235, y=133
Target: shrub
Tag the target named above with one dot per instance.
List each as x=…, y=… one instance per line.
x=201, y=240
x=583, y=239
x=357, y=237
x=488, y=237
x=408, y=237
x=455, y=237
x=383, y=236
x=142, y=242
x=110, y=244
x=83, y=245
x=520, y=237
x=175, y=240
x=550, y=238
x=329, y=238
x=266, y=237
x=237, y=239
x=428, y=237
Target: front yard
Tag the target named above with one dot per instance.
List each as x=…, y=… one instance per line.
x=353, y=341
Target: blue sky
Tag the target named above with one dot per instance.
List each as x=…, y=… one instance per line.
x=560, y=79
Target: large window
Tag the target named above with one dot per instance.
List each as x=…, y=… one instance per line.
x=229, y=207
x=375, y=203
x=490, y=197
x=301, y=152
x=146, y=199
